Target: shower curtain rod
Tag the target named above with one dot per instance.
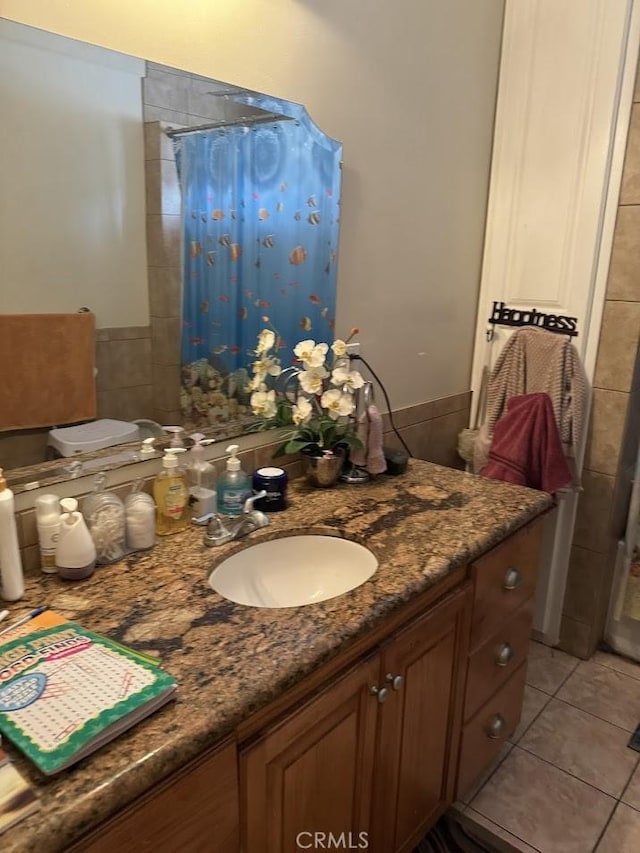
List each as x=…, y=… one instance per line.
x=241, y=120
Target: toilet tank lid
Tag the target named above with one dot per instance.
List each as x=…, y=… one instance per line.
x=83, y=438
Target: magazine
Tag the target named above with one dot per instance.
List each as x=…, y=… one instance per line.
x=65, y=691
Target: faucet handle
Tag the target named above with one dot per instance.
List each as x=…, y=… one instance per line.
x=248, y=504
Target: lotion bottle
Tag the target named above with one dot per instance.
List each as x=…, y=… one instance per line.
x=234, y=486
x=11, y=577
x=75, y=552
x=171, y=494
x=48, y=526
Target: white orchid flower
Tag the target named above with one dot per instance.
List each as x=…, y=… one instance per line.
x=256, y=384
x=336, y=403
x=350, y=379
x=263, y=403
x=311, y=380
x=301, y=412
x=310, y=353
x=339, y=348
x=266, y=340
x=266, y=366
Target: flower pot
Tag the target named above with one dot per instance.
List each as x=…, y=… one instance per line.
x=323, y=471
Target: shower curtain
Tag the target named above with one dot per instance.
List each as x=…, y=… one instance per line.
x=260, y=208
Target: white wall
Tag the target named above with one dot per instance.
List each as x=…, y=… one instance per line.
x=72, y=209
x=409, y=88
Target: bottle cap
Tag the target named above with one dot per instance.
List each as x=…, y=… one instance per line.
x=147, y=446
x=69, y=505
x=233, y=463
x=47, y=508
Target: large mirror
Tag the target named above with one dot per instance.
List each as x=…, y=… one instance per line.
x=179, y=210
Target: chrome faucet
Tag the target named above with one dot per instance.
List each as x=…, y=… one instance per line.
x=224, y=529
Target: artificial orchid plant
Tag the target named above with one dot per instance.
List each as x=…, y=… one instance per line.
x=321, y=403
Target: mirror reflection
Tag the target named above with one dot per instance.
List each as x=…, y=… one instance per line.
x=181, y=219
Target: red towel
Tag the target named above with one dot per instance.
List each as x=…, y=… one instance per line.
x=526, y=447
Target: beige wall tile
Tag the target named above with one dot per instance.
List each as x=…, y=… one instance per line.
x=126, y=404
x=163, y=240
x=630, y=189
x=129, y=333
x=593, y=518
x=170, y=118
x=166, y=89
x=30, y=557
x=27, y=530
x=443, y=439
x=606, y=430
x=162, y=187
x=618, y=347
x=425, y=411
x=624, y=282
x=576, y=638
x=165, y=291
x=583, y=583
x=165, y=340
x=129, y=364
x=26, y=447
x=166, y=386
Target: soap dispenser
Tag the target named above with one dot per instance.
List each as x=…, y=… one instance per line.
x=171, y=494
x=234, y=486
x=75, y=551
x=202, y=478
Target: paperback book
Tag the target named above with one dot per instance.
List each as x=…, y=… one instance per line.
x=65, y=691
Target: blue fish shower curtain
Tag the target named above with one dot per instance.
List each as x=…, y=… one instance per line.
x=260, y=208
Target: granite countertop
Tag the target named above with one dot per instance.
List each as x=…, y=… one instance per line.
x=230, y=660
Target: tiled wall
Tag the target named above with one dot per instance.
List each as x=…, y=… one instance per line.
x=429, y=429
x=614, y=428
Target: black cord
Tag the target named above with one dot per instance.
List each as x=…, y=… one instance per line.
x=356, y=357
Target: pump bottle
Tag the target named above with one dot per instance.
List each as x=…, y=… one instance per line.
x=234, y=486
x=75, y=551
x=202, y=478
x=11, y=577
x=171, y=494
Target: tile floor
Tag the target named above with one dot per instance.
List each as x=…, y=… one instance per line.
x=566, y=782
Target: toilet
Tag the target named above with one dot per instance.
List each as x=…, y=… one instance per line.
x=95, y=435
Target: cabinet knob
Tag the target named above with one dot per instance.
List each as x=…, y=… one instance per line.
x=505, y=653
x=381, y=693
x=512, y=578
x=396, y=681
x=496, y=727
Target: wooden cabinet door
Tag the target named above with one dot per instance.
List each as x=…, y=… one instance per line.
x=420, y=722
x=312, y=773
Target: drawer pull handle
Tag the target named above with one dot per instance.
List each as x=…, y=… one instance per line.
x=396, y=681
x=496, y=727
x=512, y=579
x=505, y=653
x=381, y=693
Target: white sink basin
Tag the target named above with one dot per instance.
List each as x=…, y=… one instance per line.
x=293, y=571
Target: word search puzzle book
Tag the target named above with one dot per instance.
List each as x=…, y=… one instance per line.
x=65, y=691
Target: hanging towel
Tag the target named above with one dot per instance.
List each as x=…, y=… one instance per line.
x=536, y=361
x=48, y=363
x=376, y=463
x=526, y=447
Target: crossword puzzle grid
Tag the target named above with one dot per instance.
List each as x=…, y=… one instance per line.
x=78, y=688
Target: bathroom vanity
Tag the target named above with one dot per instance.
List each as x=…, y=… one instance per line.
x=361, y=714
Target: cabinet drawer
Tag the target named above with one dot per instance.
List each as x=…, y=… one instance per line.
x=498, y=658
x=504, y=579
x=494, y=723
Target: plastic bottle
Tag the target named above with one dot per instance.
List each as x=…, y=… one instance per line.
x=48, y=526
x=11, y=577
x=171, y=494
x=234, y=486
x=176, y=433
x=202, y=478
x=140, y=519
x=75, y=552
x=104, y=514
